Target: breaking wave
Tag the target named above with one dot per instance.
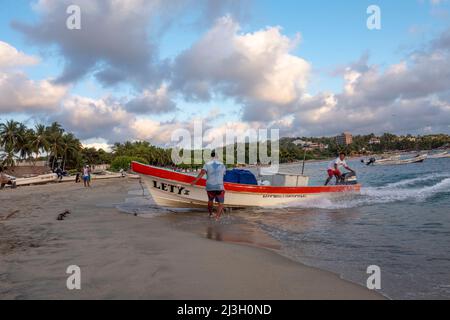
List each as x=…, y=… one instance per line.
x=408, y=182
x=393, y=192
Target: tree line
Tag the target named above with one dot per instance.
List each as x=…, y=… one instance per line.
x=18, y=143
x=361, y=145
x=60, y=148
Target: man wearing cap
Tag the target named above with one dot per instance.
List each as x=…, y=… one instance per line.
x=215, y=171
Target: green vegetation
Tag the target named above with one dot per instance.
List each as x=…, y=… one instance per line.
x=124, y=162
x=361, y=145
x=60, y=148
x=145, y=151
x=52, y=143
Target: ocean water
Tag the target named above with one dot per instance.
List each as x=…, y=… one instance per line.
x=400, y=222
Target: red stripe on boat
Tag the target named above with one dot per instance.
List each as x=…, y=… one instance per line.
x=184, y=178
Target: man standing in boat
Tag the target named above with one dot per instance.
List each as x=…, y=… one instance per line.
x=215, y=171
x=333, y=168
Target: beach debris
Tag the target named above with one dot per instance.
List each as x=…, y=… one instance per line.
x=11, y=215
x=61, y=216
x=142, y=186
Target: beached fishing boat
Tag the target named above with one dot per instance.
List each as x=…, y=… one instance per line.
x=42, y=179
x=102, y=176
x=173, y=189
x=417, y=159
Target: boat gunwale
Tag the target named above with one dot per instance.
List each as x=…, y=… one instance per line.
x=177, y=177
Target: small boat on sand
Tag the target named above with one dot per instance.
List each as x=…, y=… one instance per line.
x=42, y=179
x=102, y=176
x=173, y=189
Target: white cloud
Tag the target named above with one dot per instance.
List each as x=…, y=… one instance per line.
x=90, y=118
x=18, y=94
x=152, y=102
x=10, y=57
x=250, y=67
x=119, y=39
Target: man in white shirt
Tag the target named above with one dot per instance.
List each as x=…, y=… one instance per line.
x=333, y=168
x=215, y=171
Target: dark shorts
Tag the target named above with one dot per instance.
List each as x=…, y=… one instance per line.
x=86, y=178
x=218, y=196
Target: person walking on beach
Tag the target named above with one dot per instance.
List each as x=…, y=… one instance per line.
x=59, y=172
x=215, y=171
x=333, y=168
x=3, y=179
x=87, y=176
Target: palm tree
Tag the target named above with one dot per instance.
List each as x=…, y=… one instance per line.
x=55, y=142
x=55, y=127
x=54, y=134
x=8, y=158
x=70, y=147
x=10, y=133
x=39, y=141
x=11, y=139
x=24, y=145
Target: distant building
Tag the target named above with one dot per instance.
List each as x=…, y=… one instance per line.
x=375, y=141
x=299, y=142
x=309, y=146
x=319, y=146
x=344, y=139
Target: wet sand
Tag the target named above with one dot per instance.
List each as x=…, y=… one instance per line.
x=122, y=256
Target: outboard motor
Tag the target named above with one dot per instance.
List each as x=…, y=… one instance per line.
x=348, y=178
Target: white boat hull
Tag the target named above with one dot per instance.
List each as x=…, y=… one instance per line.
x=402, y=162
x=440, y=155
x=46, y=178
x=167, y=193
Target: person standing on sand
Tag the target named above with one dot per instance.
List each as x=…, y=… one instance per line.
x=215, y=171
x=87, y=176
x=3, y=179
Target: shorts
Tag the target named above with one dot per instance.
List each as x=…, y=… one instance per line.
x=218, y=196
x=86, y=178
x=332, y=173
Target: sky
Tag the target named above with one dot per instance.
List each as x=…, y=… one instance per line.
x=141, y=69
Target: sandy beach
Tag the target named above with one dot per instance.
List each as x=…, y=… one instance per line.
x=122, y=256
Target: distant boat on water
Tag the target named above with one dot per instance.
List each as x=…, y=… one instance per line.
x=399, y=161
x=440, y=155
